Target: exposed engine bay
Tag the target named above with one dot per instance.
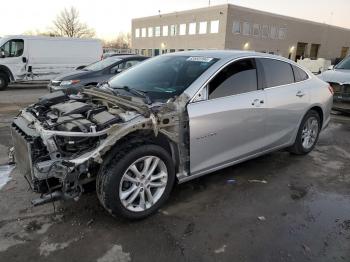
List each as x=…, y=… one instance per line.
x=61, y=141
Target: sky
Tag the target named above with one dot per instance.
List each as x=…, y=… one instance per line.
x=109, y=17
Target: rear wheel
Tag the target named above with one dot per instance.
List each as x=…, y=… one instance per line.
x=134, y=184
x=3, y=81
x=308, y=133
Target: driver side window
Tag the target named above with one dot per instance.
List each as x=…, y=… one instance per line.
x=124, y=65
x=236, y=78
x=12, y=48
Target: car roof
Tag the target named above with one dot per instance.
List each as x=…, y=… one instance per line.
x=227, y=54
x=127, y=56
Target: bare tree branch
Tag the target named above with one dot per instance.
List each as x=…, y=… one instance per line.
x=67, y=23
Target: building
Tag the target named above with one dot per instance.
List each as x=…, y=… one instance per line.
x=233, y=27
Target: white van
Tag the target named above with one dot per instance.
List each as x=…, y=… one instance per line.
x=28, y=58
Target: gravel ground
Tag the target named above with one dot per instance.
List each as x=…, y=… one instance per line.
x=296, y=210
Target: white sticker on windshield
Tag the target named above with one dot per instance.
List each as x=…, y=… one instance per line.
x=200, y=59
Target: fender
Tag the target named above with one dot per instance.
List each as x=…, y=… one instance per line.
x=8, y=72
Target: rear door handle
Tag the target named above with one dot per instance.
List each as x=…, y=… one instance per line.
x=300, y=93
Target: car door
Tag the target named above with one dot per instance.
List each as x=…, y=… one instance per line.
x=286, y=101
x=227, y=122
x=12, y=57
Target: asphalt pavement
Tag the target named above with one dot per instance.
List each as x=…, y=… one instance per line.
x=278, y=207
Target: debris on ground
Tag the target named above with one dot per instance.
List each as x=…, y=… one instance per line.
x=346, y=224
x=306, y=248
x=257, y=181
x=231, y=181
x=261, y=218
x=89, y=223
x=189, y=229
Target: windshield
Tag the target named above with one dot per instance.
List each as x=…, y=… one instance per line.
x=163, y=77
x=97, y=66
x=344, y=64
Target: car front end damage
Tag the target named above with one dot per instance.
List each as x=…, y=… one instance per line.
x=60, y=143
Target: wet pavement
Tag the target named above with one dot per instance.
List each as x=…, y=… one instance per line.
x=278, y=207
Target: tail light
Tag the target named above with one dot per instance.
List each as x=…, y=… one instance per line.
x=330, y=88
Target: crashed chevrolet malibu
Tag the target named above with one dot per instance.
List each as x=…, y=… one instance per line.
x=169, y=119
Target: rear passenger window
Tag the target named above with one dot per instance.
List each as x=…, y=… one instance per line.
x=238, y=77
x=276, y=72
x=299, y=74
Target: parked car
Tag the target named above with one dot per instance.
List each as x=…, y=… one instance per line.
x=109, y=54
x=93, y=74
x=170, y=119
x=38, y=58
x=339, y=78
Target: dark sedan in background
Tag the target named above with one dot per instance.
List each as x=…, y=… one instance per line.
x=91, y=75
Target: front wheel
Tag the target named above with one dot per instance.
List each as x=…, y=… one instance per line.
x=134, y=184
x=3, y=81
x=308, y=133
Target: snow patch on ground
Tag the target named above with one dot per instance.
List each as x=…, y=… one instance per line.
x=115, y=254
x=5, y=171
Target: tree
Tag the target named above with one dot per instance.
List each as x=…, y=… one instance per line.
x=122, y=41
x=67, y=23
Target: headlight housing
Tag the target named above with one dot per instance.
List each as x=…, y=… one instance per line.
x=69, y=82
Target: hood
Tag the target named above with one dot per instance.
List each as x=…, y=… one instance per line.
x=337, y=75
x=72, y=75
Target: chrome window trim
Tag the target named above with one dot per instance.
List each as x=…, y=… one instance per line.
x=247, y=57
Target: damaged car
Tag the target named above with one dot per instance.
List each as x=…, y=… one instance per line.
x=171, y=119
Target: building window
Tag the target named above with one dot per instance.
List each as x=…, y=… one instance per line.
x=143, y=32
x=202, y=27
x=192, y=29
x=165, y=30
x=236, y=28
x=265, y=31
x=214, y=27
x=256, y=30
x=150, y=31
x=157, y=31
x=173, y=30
x=273, y=32
x=246, y=28
x=282, y=33
x=182, y=29
x=137, y=32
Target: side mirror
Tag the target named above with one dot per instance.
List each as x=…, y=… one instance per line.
x=24, y=59
x=331, y=67
x=202, y=95
x=119, y=70
x=2, y=54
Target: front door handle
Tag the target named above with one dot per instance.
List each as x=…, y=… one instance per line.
x=300, y=93
x=257, y=102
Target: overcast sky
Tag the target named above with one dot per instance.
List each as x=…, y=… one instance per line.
x=109, y=17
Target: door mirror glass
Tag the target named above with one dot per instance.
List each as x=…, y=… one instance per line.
x=331, y=67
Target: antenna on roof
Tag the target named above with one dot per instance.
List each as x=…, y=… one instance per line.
x=209, y=2
x=159, y=13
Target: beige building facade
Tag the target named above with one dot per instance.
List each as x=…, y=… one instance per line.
x=234, y=27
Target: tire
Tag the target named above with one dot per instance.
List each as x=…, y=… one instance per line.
x=4, y=81
x=299, y=147
x=113, y=181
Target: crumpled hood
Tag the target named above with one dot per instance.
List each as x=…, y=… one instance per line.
x=73, y=75
x=337, y=75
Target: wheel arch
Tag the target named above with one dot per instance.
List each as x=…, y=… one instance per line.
x=147, y=136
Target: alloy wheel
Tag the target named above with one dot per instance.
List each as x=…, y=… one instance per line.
x=143, y=183
x=310, y=133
